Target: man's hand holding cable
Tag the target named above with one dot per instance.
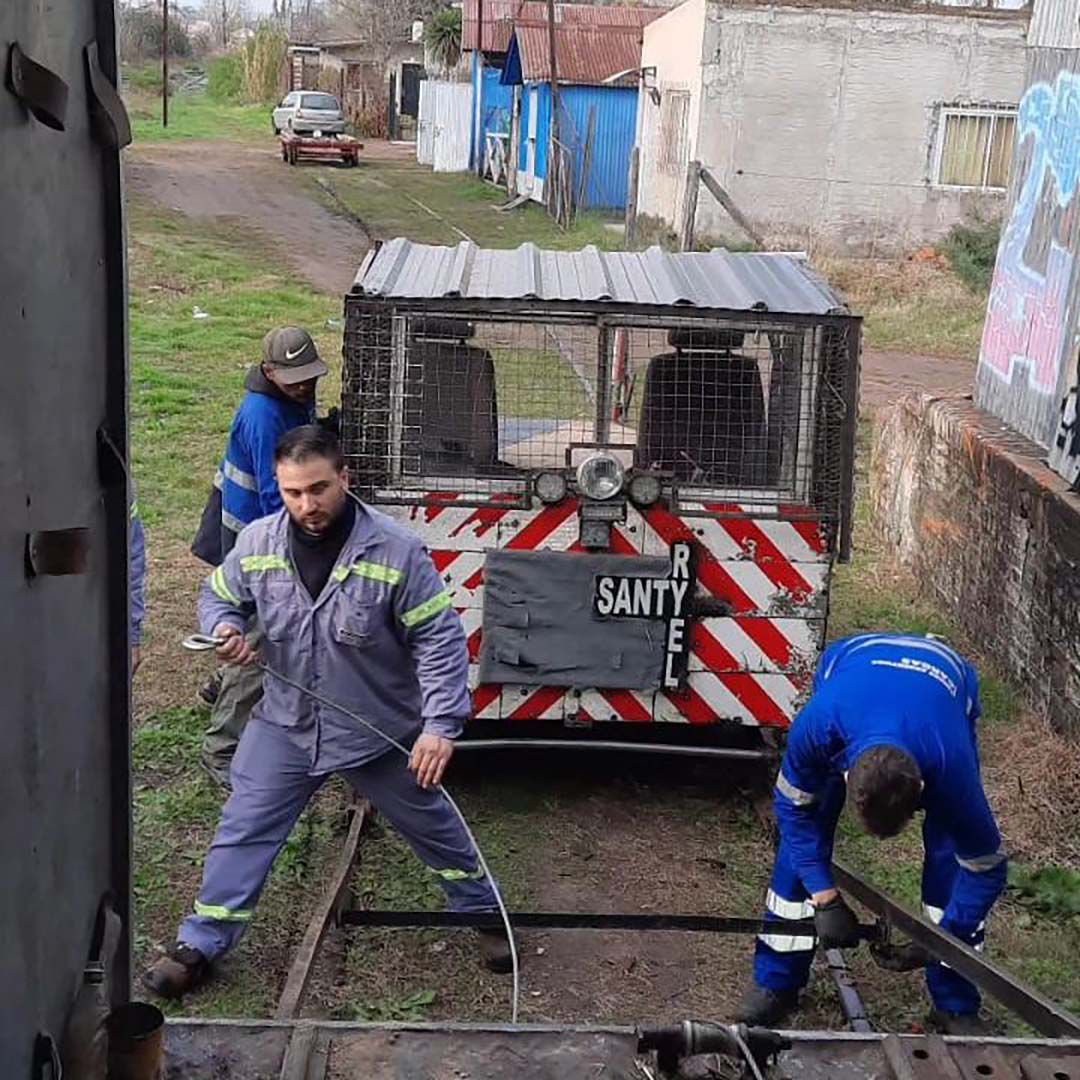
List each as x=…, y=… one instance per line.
x=234, y=648
x=430, y=756
x=837, y=927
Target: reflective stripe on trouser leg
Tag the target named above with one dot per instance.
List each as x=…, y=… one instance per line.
x=949, y=991
x=270, y=790
x=783, y=962
x=426, y=822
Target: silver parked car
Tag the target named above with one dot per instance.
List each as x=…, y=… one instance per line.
x=304, y=112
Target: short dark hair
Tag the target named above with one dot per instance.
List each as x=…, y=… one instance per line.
x=308, y=441
x=885, y=786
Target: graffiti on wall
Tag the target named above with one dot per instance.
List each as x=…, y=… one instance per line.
x=1027, y=314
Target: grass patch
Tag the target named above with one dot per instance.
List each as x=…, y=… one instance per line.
x=535, y=385
x=916, y=307
x=385, y=195
x=188, y=371
x=194, y=116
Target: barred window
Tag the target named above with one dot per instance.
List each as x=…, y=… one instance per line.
x=674, y=131
x=975, y=147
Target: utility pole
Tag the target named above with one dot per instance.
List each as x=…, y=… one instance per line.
x=224, y=24
x=164, y=63
x=479, y=141
x=554, y=158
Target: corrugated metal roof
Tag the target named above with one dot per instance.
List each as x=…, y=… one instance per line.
x=500, y=16
x=584, y=55
x=1055, y=25
x=735, y=281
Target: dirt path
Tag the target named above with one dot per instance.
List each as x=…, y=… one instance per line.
x=250, y=182
x=247, y=181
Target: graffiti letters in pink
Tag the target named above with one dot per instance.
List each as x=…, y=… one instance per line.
x=1028, y=310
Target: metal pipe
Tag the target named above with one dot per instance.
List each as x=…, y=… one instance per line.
x=731, y=753
x=588, y=920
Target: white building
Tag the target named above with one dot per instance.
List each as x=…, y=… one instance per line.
x=846, y=126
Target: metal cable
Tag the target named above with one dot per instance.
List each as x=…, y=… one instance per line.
x=745, y=1051
x=315, y=696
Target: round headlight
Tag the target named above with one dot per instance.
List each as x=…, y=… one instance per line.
x=600, y=476
x=551, y=487
x=645, y=489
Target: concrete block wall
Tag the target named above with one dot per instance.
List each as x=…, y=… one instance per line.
x=992, y=534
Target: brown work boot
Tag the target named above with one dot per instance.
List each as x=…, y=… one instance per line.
x=495, y=951
x=178, y=972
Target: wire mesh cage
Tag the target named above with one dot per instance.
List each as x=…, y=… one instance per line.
x=451, y=397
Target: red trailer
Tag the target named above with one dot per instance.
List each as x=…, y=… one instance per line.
x=297, y=148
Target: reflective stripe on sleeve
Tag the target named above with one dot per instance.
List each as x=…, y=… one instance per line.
x=231, y=521
x=257, y=564
x=222, y=914
x=239, y=477
x=790, y=791
x=981, y=863
x=422, y=613
x=221, y=588
x=460, y=875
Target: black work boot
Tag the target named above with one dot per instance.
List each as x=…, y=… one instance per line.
x=495, y=951
x=179, y=971
x=969, y=1024
x=766, y=1008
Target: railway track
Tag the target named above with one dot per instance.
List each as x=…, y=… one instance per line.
x=336, y=908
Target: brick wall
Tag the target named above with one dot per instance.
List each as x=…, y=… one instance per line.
x=992, y=534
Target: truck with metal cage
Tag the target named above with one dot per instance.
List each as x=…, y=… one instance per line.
x=633, y=470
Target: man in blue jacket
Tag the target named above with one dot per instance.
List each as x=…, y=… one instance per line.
x=353, y=608
x=894, y=715
x=280, y=396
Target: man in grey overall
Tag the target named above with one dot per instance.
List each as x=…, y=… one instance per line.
x=351, y=607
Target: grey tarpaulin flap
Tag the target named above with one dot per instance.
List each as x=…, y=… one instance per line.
x=540, y=625
x=110, y=118
x=39, y=90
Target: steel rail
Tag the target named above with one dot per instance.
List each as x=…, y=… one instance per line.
x=1040, y=1012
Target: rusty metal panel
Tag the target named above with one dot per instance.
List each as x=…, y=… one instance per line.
x=586, y=55
x=63, y=725
x=500, y=16
x=1028, y=358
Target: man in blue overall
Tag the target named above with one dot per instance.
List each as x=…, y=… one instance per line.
x=279, y=395
x=895, y=716
x=352, y=607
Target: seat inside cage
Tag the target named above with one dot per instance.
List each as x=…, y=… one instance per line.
x=703, y=411
x=451, y=398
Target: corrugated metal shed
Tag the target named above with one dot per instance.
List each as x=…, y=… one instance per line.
x=501, y=15
x=1055, y=25
x=585, y=55
x=716, y=279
